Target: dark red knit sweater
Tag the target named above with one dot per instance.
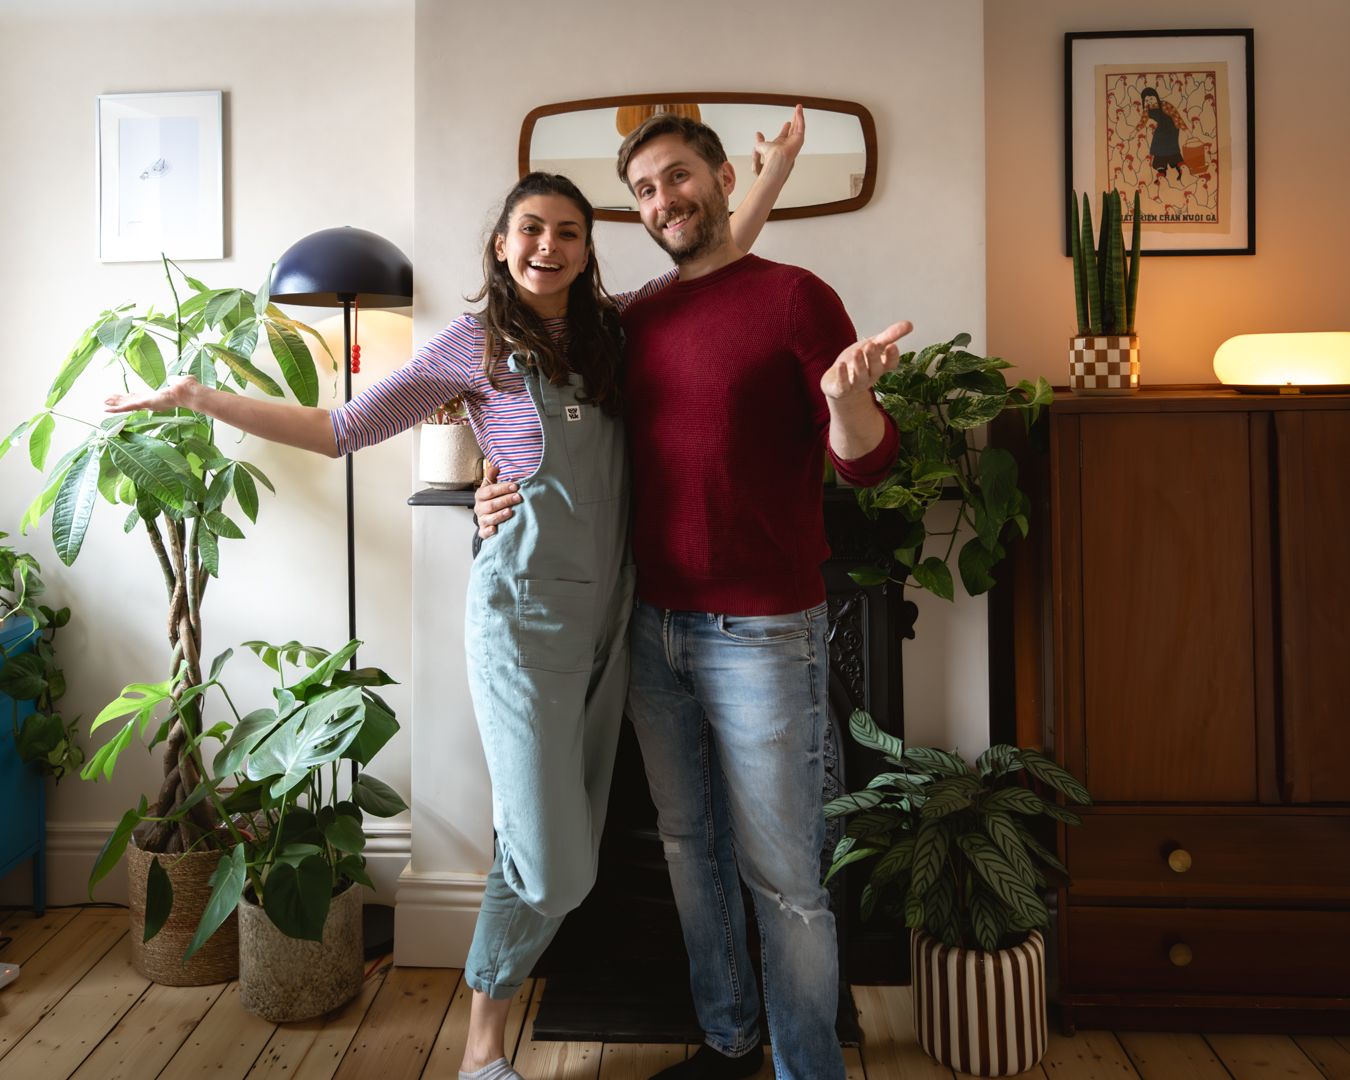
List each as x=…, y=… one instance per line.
x=728, y=428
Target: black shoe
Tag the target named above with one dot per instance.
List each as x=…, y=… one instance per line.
x=709, y=1064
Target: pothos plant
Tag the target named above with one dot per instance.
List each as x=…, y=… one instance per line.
x=43, y=738
x=293, y=838
x=169, y=475
x=955, y=848
x=938, y=396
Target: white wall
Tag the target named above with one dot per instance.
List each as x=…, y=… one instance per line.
x=916, y=251
x=319, y=132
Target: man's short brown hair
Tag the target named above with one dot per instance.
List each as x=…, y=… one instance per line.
x=700, y=137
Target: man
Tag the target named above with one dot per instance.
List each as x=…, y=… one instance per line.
x=738, y=378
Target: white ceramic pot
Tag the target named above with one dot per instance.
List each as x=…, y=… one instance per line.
x=977, y=1012
x=449, y=457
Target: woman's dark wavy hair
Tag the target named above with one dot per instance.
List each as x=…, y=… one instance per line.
x=509, y=325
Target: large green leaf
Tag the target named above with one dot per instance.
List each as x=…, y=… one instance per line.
x=975, y=563
x=322, y=671
x=376, y=797
x=932, y=574
x=858, y=800
x=17, y=434
x=23, y=678
x=866, y=732
x=1002, y=879
x=116, y=844
x=1063, y=781
x=296, y=363
x=246, y=491
x=247, y=733
x=245, y=369
x=936, y=761
x=85, y=349
x=971, y=412
x=343, y=832
x=158, y=899
x=897, y=860
x=949, y=795
x=378, y=727
x=930, y=856
x=220, y=306
x=296, y=898
x=1003, y=832
x=137, y=457
x=74, y=507
x=315, y=735
x=1020, y=800
x=144, y=358
x=985, y=919
x=227, y=886
x=851, y=857
x=40, y=440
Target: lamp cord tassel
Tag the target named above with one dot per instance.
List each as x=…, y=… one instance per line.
x=356, y=328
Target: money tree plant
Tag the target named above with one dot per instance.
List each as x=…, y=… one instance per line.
x=167, y=473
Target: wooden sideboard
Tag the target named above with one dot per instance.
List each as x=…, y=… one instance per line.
x=1180, y=629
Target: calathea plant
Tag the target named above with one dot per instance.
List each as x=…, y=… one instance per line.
x=43, y=738
x=955, y=850
x=170, y=476
x=938, y=397
x=293, y=839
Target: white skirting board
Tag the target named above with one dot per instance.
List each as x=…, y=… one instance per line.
x=72, y=848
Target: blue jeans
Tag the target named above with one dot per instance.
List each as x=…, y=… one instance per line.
x=730, y=712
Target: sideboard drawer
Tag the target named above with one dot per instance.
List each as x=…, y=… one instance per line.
x=1265, y=857
x=1209, y=951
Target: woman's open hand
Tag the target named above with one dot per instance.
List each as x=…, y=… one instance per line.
x=173, y=395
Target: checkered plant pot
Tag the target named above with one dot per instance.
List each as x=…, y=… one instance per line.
x=1099, y=364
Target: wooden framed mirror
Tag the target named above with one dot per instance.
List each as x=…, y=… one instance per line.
x=836, y=171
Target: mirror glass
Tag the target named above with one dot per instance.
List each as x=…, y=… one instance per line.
x=834, y=173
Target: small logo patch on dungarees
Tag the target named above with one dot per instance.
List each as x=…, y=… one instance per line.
x=573, y=412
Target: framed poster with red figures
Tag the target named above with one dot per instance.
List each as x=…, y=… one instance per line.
x=1167, y=114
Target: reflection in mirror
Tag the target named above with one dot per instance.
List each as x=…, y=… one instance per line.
x=835, y=171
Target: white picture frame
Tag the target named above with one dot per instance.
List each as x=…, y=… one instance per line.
x=160, y=176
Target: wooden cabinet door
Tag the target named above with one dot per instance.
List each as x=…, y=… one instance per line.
x=1312, y=451
x=1168, y=699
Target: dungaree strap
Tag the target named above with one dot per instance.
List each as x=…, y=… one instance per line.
x=549, y=396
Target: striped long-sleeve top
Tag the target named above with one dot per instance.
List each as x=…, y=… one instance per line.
x=451, y=365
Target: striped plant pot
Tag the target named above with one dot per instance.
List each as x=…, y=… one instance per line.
x=1100, y=364
x=980, y=1012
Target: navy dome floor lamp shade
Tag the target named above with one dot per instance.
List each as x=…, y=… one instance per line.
x=345, y=267
x=339, y=268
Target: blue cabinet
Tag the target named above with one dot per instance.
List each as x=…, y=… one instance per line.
x=23, y=789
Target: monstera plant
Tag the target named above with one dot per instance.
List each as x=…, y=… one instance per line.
x=173, y=482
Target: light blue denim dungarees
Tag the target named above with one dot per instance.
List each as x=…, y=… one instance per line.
x=546, y=626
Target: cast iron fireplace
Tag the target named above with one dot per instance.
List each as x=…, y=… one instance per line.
x=617, y=970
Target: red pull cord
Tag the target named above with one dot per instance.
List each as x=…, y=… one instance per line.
x=356, y=325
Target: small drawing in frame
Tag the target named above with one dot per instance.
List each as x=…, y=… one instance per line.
x=1167, y=114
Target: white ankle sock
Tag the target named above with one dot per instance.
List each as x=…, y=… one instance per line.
x=493, y=1070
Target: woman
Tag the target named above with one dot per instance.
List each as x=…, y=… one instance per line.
x=548, y=602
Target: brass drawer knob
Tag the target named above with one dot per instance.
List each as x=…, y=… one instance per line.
x=1179, y=954
x=1179, y=859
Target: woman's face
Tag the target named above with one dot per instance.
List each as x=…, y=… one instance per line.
x=544, y=250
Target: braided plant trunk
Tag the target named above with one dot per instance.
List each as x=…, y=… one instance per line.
x=185, y=581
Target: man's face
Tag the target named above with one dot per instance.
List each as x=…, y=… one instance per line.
x=682, y=201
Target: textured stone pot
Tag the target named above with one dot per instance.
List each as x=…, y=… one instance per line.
x=161, y=958
x=979, y=1012
x=283, y=978
x=448, y=457
x=1100, y=364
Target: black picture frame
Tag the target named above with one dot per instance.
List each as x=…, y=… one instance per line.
x=1208, y=90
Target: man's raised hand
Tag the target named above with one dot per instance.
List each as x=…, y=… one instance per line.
x=864, y=362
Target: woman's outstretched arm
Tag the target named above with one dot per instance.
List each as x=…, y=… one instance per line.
x=303, y=426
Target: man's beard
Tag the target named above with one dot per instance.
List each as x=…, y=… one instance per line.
x=707, y=232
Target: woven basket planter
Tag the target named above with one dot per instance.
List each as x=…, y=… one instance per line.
x=283, y=978
x=1099, y=364
x=161, y=958
x=979, y=1012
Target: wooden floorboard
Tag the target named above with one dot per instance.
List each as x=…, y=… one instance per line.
x=1263, y=1057
x=79, y=1011
x=52, y=971
x=554, y=1060
x=1329, y=1054
x=58, y=1044
x=1165, y=1055
x=313, y=1049
x=399, y=1031
x=1089, y=1055
x=224, y=1044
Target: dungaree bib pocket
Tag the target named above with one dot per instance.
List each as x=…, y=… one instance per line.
x=593, y=451
x=554, y=623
